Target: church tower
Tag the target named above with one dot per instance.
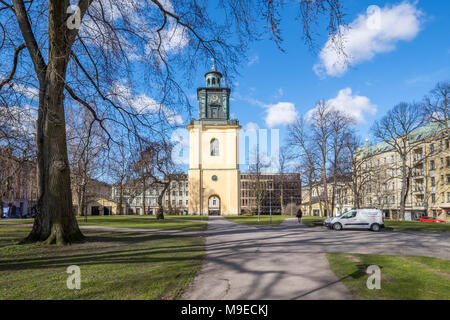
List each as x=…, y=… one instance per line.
x=213, y=159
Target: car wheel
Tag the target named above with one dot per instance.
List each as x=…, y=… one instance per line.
x=337, y=226
x=375, y=227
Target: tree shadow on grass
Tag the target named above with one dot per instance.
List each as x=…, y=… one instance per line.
x=102, y=249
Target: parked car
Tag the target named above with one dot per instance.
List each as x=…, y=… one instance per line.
x=371, y=219
x=431, y=219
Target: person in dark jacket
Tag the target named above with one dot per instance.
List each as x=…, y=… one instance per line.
x=299, y=216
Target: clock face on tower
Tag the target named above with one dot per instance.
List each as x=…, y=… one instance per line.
x=214, y=98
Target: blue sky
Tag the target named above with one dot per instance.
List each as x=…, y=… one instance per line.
x=400, y=61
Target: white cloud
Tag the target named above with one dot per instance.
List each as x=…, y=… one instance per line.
x=253, y=60
x=282, y=113
x=351, y=104
x=29, y=92
x=375, y=32
x=143, y=104
x=251, y=126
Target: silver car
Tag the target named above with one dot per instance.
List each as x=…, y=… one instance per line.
x=371, y=219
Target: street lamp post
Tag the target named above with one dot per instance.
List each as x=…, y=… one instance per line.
x=270, y=197
x=291, y=206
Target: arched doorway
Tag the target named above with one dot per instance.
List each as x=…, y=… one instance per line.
x=214, y=205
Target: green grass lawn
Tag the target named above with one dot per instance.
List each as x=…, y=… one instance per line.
x=146, y=222
x=113, y=266
x=253, y=220
x=265, y=219
x=417, y=225
x=134, y=221
x=308, y=220
x=402, y=277
x=189, y=217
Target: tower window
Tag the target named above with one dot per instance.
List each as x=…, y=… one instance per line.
x=207, y=82
x=213, y=81
x=214, y=146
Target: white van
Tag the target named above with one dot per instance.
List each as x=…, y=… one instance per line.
x=371, y=219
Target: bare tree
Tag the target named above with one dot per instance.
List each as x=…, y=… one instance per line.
x=437, y=104
x=341, y=131
x=395, y=129
x=307, y=154
x=86, y=147
x=120, y=167
x=161, y=169
x=357, y=167
x=258, y=185
x=87, y=55
x=285, y=156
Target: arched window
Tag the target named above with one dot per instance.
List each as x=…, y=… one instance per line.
x=214, y=146
x=208, y=82
x=213, y=81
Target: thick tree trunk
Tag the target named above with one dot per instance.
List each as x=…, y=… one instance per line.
x=55, y=221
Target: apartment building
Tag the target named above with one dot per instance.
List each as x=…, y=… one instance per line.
x=175, y=199
x=429, y=185
x=18, y=185
x=313, y=198
x=283, y=192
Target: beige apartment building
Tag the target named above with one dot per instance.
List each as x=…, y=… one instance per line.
x=429, y=188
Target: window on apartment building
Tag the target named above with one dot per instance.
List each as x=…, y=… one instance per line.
x=432, y=148
x=187, y=193
x=442, y=163
x=384, y=159
x=186, y=202
x=442, y=197
x=392, y=159
x=180, y=202
x=180, y=193
x=432, y=181
x=442, y=179
x=393, y=185
x=433, y=198
x=393, y=199
x=167, y=202
x=447, y=162
x=173, y=202
x=446, y=144
x=432, y=165
x=448, y=178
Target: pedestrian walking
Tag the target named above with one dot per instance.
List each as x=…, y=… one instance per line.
x=299, y=216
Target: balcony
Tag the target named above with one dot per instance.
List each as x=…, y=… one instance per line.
x=418, y=173
x=419, y=204
x=418, y=157
x=419, y=188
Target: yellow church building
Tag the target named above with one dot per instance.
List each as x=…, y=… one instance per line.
x=214, y=187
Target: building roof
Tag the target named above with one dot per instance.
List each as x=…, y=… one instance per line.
x=416, y=135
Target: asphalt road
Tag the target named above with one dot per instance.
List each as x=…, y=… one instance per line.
x=288, y=261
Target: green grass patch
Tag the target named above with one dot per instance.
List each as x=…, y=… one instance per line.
x=113, y=266
x=417, y=225
x=264, y=219
x=402, y=277
x=308, y=220
x=189, y=217
x=145, y=222
x=136, y=221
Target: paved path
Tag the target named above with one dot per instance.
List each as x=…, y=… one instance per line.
x=289, y=262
